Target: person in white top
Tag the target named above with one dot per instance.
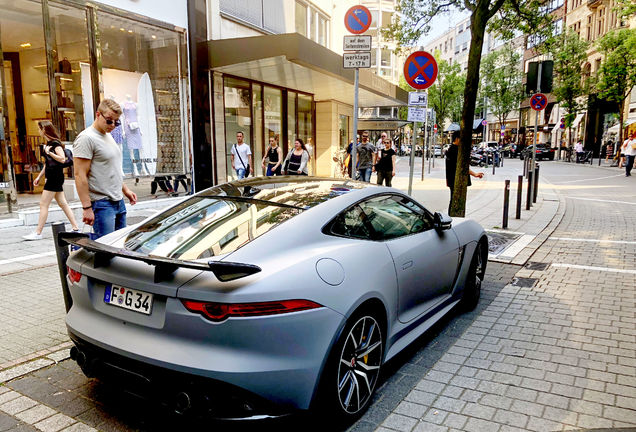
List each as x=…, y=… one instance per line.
x=241, y=157
x=630, y=154
x=578, y=148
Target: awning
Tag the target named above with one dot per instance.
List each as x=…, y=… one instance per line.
x=577, y=120
x=629, y=121
x=452, y=127
x=477, y=124
x=380, y=124
x=293, y=61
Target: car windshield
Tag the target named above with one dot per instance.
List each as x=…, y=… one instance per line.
x=222, y=219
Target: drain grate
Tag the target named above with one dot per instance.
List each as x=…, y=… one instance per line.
x=497, y=241
x=537, y=266
x=524, y=282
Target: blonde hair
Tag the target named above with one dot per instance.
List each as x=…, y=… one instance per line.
x=109, y=104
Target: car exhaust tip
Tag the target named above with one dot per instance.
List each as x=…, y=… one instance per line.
x=80, y=358
x=183, y=402
x=73, y=353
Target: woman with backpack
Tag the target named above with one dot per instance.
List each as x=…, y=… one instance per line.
x=54, y=172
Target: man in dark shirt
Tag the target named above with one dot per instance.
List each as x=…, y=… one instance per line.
x=451, y=167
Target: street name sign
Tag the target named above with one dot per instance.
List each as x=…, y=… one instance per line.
x=357, y=43
x=357, y=19
x=418, y=99
x=538, y=101
x=356, y=60
x=420, y=70
x=416, y=114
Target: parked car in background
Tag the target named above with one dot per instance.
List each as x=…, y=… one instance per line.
x=437, y=151
x=543, y=151
x=253, y=298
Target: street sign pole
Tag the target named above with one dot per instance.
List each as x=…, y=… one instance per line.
x=536, y=131
x=425, y=139
x=354, y=169
x=412, y=160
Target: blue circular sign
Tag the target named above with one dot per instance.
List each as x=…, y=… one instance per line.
x=357, y=19
x=538, y=101
x=420, y=70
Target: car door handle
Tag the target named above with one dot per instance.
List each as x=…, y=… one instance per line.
x=407, y=265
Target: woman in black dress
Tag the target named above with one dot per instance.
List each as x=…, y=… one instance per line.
x=273, y=157
x=53, y=151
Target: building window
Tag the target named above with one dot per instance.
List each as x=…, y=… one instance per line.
x=312, y=23
x=238, y=116
x=301, y=19
x=258, y=13
x=386, y=57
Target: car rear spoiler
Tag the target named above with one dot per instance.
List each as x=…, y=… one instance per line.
x=164, y=267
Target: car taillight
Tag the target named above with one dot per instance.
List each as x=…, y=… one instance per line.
x=221, y=311
x=73, y=275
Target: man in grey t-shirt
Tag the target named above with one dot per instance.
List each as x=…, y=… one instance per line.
x=98, y=176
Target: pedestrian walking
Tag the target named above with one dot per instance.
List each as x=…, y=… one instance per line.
x=366, y=157
x=98, y=175
x=385, y=166
x=578, y=148
x=241, y=157
x=54, y=174
x=451, y=167
x=296, y=160
x=630, y=154
x=273, y=158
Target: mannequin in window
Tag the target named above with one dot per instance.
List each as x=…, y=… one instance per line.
x=133, y=135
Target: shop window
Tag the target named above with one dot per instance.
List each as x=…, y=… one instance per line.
x=306, y=127
x=257, y=115
x=238, y=116
x=25, y=88
x=143, y=69
x=291, y=120
x=273, y=110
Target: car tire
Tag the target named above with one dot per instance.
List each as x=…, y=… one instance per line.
x=353, y=368
x=472, y=288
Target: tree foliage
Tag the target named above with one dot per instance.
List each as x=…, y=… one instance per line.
x=504, y=16
x=501, y=81
x=569, y=52
x=446, y=94
x=617, y=75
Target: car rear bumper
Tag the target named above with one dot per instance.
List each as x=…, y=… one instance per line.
x=276, y=360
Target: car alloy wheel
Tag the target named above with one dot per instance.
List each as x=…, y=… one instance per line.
x=359, y=364
x=472, y=289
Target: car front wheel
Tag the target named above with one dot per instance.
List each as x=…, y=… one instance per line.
x=353, y=368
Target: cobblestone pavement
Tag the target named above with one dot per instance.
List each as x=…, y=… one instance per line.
x=550, y=347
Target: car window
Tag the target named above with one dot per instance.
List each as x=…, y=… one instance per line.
x=393, y=216
x=351, y=223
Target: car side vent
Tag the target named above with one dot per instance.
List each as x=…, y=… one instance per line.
x=228, y=271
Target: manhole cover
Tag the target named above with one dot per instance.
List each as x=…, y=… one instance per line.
x=498, y=241
x=537, y=266
x=524, y=282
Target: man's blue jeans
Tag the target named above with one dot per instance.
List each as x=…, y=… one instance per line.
x=365, y=174
x=109, y=216
x=240, y=173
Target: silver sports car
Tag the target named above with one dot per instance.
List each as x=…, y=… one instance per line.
x=265, y=296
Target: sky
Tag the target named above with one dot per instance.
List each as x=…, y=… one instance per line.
x=442, y=23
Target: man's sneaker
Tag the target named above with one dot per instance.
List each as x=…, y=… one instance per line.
x=32, y=236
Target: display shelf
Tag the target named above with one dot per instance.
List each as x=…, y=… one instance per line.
x=40, y=92
x=167, y=92
x=66, y=110
x=40, y=119
x=63, y=75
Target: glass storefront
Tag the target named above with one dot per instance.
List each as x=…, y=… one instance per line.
x=276, y=112
x=58, y=56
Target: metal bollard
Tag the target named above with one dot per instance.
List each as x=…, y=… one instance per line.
x=536, y=183
x=519, y=194
x=506, y=204
x=528, y=196
x=62, y=255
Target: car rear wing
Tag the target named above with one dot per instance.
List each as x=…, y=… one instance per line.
x=164, y=267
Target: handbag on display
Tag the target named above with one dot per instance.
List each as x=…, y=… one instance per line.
x=64, y=66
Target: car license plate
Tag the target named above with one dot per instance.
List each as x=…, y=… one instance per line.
x=128, y=298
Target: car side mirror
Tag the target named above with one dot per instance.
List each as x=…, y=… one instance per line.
x=442, y=221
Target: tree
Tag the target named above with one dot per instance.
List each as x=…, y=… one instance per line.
x=617, y=75
x=447, y=90
x=570, y=84
x=505, y=16
x=501, y=83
